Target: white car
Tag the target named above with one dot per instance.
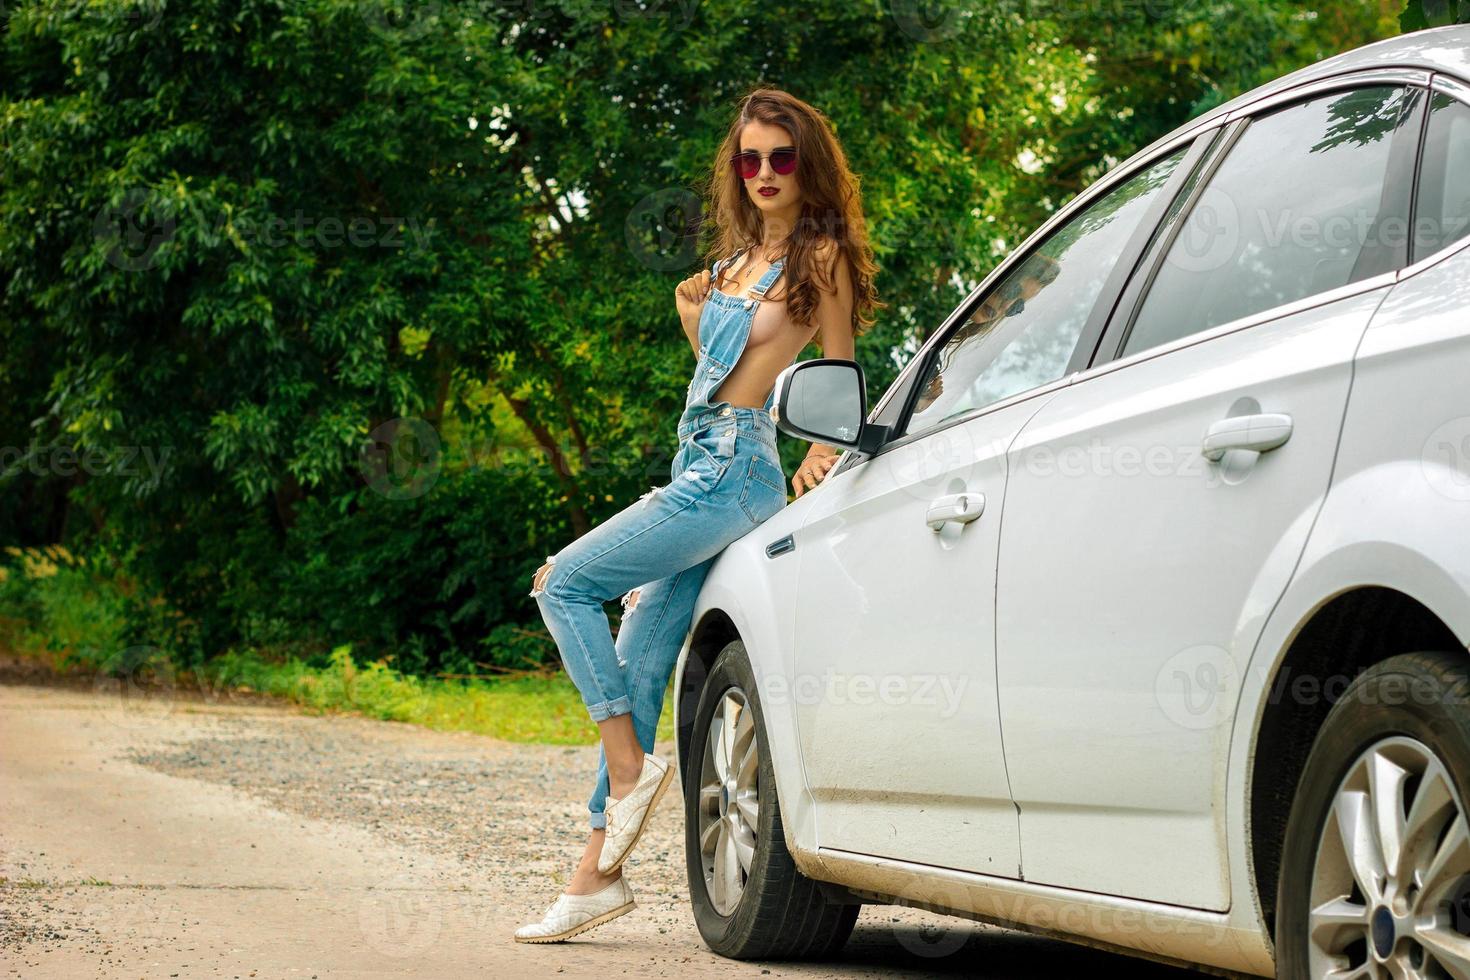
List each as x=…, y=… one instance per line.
x=1136, y=612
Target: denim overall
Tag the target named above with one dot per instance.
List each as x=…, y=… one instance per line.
x=726, y=479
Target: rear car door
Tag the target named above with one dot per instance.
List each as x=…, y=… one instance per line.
x=1157, y=506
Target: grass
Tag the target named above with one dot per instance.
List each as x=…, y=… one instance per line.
x=545, y=709
x=61, y=616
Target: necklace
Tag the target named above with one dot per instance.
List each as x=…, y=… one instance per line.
x=744, y=276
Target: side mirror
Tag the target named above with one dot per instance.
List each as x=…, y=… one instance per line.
x=824, y=400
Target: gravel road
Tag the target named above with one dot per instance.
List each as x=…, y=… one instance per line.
x=237, y=836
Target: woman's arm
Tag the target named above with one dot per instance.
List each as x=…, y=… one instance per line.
x=691, y=331
x=689, y=299
x=834, y=326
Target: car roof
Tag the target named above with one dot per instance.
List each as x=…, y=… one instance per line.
x=1440, y=49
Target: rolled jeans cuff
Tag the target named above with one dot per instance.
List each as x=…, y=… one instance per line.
x=597, y=819
x=603, y=710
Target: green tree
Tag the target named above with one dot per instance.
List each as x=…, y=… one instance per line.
x=385, y=288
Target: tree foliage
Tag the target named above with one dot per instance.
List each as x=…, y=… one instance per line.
x=328, y=319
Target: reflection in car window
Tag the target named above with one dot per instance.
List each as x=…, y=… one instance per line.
x=1442, y=214
x=1022, y=333
x=1297, y=207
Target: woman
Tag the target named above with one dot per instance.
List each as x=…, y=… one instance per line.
x=784, y=202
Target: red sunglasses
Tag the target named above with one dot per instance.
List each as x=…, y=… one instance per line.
x=748, y=162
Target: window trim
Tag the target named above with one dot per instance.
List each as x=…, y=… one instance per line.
x=1361, y=78
x=1199, y=153
x=1245, y=323
x=919, y=364
x=1402, y=158
x=1141, y=276
x=1458, y=90
x=904, y=386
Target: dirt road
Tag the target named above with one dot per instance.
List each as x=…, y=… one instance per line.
x=190, y=837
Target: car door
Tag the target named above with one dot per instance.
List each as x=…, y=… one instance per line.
x=1157, y=506
x=894, y=686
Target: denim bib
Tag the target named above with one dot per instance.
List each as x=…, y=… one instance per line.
x=724, y=327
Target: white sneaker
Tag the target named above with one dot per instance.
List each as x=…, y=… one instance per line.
x=571, y=914
x=627, y=817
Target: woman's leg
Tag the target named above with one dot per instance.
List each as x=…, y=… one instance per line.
x=648, y=643
x=684, y=524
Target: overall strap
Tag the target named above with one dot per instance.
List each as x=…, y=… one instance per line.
x=759, y=289
x=721, y=263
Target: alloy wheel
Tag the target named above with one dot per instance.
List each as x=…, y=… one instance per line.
x=729, y=803
x=1391, y=878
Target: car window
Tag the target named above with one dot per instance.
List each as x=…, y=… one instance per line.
x=1442, y=212
x=1298, y=206
x=1021, y=334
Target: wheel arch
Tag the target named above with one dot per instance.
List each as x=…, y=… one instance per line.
x=1340, y=637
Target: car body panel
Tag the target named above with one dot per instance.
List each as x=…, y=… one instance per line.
x=874, y=681
x=1119, y=674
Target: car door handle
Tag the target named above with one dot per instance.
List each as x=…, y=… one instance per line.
x=1258, y=432
x=962, y=508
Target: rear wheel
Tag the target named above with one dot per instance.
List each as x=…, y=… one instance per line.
x=749, y=900
x=1375, y=868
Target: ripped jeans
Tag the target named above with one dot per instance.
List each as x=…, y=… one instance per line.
x=727, y=479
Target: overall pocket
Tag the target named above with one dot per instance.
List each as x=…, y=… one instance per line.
x=764, y=492
x=715, y=447
x=707, y=373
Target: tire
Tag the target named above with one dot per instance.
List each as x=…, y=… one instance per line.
x=1406, y=721
x=776, y=912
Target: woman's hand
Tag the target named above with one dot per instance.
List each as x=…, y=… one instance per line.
x=689, y=297
x=812, y=471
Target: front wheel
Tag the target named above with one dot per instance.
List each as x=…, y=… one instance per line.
x=1375, y=866
x=750, y=901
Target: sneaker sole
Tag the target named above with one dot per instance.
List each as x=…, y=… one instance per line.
x=574, y=930
x=658, y=792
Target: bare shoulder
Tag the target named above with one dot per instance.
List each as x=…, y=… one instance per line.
x=826, y=249
x=830, y=257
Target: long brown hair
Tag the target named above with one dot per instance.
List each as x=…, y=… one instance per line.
x=831, y=207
